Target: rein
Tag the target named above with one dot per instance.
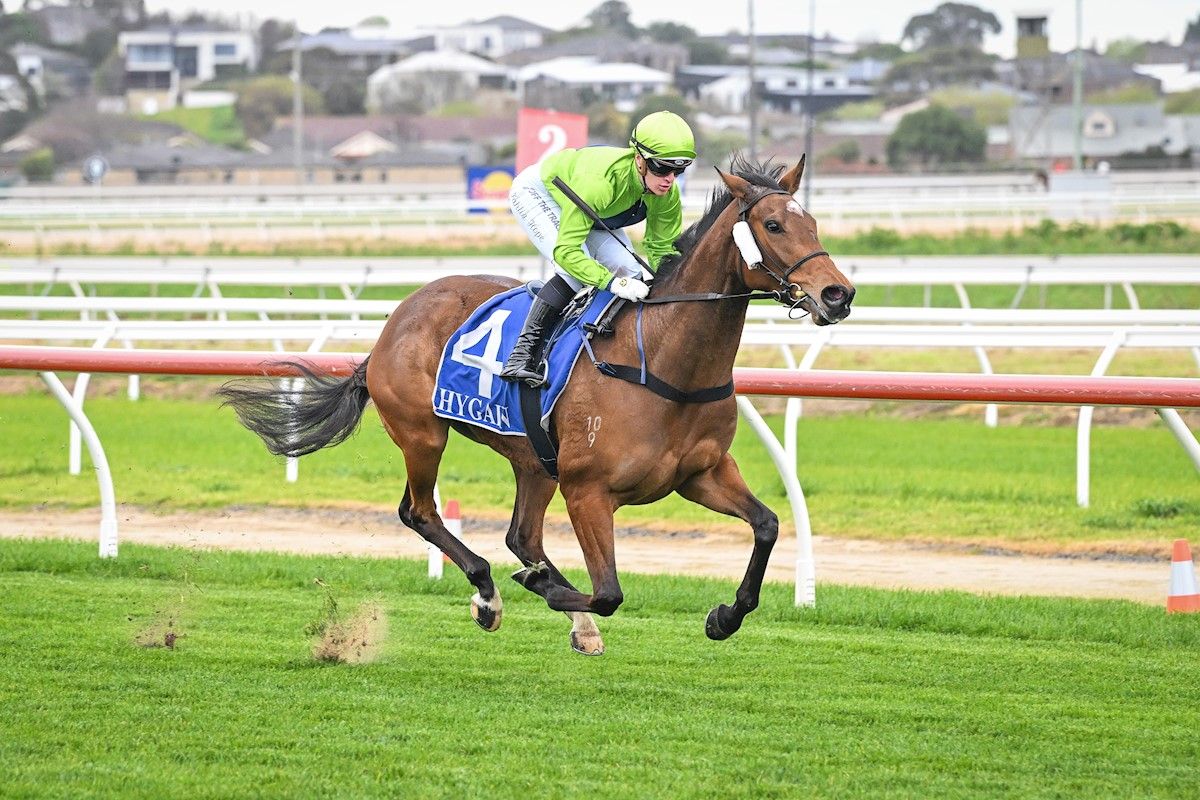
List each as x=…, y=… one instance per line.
x=642, y=376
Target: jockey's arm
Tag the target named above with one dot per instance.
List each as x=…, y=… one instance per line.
x=664, y=223
x=573, y=229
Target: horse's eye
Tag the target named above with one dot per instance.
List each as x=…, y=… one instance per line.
x=772, y=226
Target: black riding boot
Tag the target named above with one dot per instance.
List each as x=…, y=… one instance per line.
x=524, y=363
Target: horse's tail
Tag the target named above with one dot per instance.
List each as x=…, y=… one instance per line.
x=304, y=414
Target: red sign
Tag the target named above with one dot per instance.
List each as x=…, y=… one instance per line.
x=541, y=133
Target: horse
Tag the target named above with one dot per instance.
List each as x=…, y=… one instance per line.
x=618, y=443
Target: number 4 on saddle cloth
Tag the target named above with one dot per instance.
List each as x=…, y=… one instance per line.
x=469, y=387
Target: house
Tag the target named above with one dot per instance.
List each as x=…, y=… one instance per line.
x=1108, y=132
x=785, y=89
x=605, y=48
x=360, y=50
x=1051, y=76
x=428, y=80
x=52, y=73
x=493, y=37
x=12, y=94
x=161, y=63
x=573, y=83
x=1181, y=76
x=68, y=26
x=824, y=48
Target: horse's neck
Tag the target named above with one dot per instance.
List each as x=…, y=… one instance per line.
x=692, y=344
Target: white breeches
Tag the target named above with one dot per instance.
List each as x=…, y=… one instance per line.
x=539, y=215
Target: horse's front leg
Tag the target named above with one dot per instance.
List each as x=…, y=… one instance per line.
x=524, y=539
x=591, y=514
x=723, y=490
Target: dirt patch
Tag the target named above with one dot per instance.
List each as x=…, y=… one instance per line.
x=711, y=552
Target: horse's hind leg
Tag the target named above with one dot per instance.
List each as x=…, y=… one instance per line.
x=524, y=539
x=422, y=453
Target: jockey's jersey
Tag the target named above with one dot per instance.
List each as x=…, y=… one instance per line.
x=607, y=179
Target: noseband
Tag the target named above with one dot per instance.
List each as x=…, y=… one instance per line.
x=784, y=280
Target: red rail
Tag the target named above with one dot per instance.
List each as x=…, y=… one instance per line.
x=927, y=386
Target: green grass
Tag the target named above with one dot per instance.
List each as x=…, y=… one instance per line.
x=1045, y=238
x=218, y=125
x=864, y=476
x=871, y=694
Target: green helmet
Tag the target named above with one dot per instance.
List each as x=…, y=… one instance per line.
x=663, y=135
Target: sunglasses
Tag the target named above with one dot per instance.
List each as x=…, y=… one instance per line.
x=666, y=166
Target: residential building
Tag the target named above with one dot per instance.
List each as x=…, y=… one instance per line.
x=1051, y=76
x=428, y=80
x=606, y=48
x=52, y=73
x=68, y=26
x=493, y=37
x=360, y=51
x=786, y=89
x=161, y=63
x=1108, y=132
x=572, y=84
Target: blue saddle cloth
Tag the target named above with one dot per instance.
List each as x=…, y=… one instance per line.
x=469, y=387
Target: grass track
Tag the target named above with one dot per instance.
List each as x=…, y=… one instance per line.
x=945, y=479
x=874, y=694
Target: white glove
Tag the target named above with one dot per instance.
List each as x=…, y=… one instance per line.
x=628, y=288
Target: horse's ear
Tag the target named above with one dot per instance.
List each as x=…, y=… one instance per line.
x=738, y=187
x=791, y=181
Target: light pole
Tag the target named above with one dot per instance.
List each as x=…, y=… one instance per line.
x=810, y=112
x=751, y=98
x=1077, y=93
x=297, y=107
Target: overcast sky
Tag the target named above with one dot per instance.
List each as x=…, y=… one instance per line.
x=851, y=20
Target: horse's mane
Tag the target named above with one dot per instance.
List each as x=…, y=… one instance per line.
x=763, y=174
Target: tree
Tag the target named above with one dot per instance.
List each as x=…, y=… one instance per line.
x=701, y=51
x=38, y=166
x=934, y=137
x=1192, y=34
x=97, y=44
x=1127, y=50
x=20, y=27
x=1183, y=102
x=261, y=100
x=613, y=16
x=270, y=34
x=951, y=25
x=916, y=73
x=880, y=51
x=670, y=32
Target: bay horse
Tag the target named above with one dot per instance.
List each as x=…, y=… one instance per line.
x=619, y=443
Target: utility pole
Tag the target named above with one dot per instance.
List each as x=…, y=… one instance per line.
x=1077, y=93
x=810, y=112
x=297, y=108
x=751, y=95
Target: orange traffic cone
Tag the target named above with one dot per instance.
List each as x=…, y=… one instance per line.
x=1182, y=598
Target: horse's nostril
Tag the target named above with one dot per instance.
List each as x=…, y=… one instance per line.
x=834, y=295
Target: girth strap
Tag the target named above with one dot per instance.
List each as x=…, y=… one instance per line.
x=661, y=387
x=644, y=377
x=543, y=442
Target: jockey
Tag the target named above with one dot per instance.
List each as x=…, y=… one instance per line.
x=624, y=185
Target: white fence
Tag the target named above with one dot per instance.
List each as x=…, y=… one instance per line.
x=351, y=275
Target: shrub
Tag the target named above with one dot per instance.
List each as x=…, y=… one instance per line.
x=38, y=166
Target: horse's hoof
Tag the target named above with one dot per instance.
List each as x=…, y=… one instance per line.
x=486, y=615
x=587, y=644
x=712, y=626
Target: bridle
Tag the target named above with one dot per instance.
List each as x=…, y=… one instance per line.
x=784, y=278
x=782, y=275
